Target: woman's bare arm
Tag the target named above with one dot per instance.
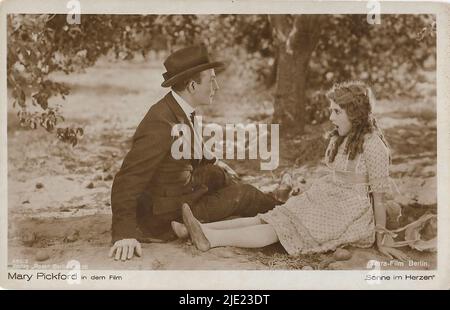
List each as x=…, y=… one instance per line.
x=380, y=215
x=380, y=221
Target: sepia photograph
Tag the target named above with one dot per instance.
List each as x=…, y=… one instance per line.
x=295, y=142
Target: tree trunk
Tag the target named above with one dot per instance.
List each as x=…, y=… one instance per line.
x=296, y=38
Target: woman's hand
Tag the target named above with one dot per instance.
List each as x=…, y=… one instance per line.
x=393, y=253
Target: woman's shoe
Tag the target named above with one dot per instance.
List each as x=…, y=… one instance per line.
x=194, y=229
x=180, y=230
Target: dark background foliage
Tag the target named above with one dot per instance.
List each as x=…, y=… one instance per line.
x=391, y=56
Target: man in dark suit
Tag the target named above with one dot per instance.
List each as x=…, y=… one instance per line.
x=151, y=186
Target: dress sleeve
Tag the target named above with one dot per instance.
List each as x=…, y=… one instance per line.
x=376, y=155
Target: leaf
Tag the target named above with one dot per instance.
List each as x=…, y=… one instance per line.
x=42, y=100
x=21, y=99
x=74, y=141
x=49, y=125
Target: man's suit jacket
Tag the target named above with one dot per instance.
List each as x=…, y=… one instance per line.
x=150, y=168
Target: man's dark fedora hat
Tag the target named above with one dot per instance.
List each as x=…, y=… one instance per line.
x=186, y=62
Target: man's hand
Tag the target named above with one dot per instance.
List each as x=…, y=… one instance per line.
x=228, y=170
x=125, y=249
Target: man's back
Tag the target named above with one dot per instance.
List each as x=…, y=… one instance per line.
x=148, y=166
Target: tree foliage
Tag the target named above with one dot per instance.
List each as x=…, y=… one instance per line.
x=389, y=56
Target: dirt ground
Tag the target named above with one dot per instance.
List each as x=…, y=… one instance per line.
x=59, y=196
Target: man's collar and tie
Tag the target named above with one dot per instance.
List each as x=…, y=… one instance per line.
x=186, y=107
x=190, y=114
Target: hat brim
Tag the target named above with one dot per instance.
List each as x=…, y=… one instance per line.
x=190, y=72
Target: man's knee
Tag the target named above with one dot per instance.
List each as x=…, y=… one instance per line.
x=245, y=192
x=248, y=188
x=238, y=199
x=256, y=201
x=200, y=212
x=223, y=203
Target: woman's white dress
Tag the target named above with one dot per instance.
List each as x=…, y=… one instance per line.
x=337, y=209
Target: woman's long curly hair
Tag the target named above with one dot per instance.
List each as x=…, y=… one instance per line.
x=356, y=99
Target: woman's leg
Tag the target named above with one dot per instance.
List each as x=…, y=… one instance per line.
x=234, y=223
x=182, y=233
x=255, y=236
